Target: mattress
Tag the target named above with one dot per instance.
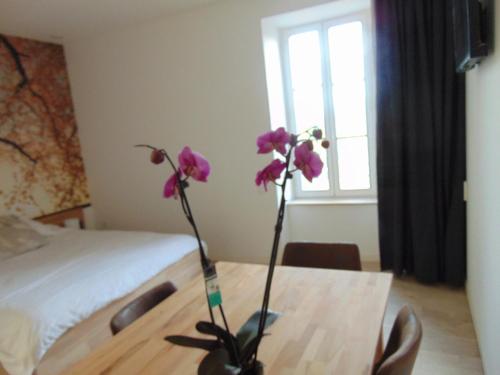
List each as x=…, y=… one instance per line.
x=45, y=292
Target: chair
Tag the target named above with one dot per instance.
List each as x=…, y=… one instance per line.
x=344, y=256
x=402, y=348
x=140, y=306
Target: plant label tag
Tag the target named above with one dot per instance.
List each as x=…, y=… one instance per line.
x=213, y=290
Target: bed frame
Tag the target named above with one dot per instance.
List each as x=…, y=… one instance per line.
x=59, y=218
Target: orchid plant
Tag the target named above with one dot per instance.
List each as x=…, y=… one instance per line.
x=194, y=165
x=228, y=353
x=306, y=161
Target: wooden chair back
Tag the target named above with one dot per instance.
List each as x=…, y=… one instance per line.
x=343, y=256
x=402, y=348
x=141, y=305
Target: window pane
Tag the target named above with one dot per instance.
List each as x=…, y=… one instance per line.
x=305, y=59
x=350, y=109
x=353, y=163
x=308, y=106
x=346, y=52
x=321, y=183
x=308, y=109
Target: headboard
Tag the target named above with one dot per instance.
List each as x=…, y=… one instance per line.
x=59, y=218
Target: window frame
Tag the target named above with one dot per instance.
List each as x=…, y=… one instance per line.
x=329, y=112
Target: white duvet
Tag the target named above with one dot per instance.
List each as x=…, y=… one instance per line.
x=49, y=290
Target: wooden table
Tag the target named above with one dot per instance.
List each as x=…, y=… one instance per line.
x=331, y=324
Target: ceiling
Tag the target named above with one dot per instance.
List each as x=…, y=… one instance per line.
x=63, y=20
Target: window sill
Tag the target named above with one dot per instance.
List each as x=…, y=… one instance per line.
x=333, y=202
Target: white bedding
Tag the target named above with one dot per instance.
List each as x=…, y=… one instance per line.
x=47, y=291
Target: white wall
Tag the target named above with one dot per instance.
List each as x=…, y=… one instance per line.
x=483, y=207
x=195, y=78
x=357, y=223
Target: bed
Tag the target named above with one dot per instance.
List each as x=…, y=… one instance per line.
x=75, y=276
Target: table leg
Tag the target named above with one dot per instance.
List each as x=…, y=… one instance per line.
x=380, y=347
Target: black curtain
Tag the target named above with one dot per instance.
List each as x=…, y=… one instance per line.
x=420, y=141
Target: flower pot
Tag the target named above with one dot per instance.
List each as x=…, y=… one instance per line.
x=217, y=362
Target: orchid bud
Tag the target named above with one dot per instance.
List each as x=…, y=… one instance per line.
x=317, y=133
x=157, y=157
x=325, y=143
x=310, y=145
x=293, y=140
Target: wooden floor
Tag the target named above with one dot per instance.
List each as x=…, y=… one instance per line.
x=449, y=345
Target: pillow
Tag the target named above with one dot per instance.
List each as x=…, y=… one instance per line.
x=44, y=229
x=16, y=237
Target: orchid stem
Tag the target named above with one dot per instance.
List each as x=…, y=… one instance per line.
x=274, y=254
x=205, y=262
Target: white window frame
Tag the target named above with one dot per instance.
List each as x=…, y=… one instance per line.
x=332, y=155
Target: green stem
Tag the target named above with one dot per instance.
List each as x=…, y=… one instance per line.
x=205, y=262
x=274, y=255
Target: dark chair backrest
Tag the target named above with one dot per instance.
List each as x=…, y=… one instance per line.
x=343, y=256
x=402, y=348
x=140, y=306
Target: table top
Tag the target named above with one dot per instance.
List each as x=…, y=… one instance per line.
x=330, y=324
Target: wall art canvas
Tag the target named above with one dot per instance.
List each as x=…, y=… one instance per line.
x=41, y=167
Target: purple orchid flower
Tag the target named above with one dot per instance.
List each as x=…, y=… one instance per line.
x=194, y=164
x=171, y=188
x=270, y=173
x=308, y=161
x=273, y=140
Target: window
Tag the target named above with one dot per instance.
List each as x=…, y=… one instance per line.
x=327, y=75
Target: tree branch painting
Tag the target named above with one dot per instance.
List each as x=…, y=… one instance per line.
x=18, y=148
x=41, y=168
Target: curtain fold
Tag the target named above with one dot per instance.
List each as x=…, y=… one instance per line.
x=420, y=141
